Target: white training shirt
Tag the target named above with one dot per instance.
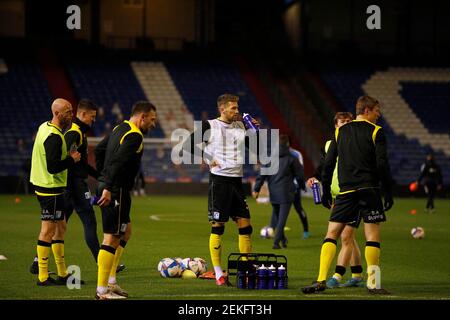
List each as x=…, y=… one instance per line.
x=226, y=145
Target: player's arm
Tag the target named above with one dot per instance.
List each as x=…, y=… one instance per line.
x=53, y=154
x=100, y=153
x=298, y=172
x=327, y=173
x=317, y=175
x=191, y=145
x=130, y=145
x=92, y=171
x=383, y=168
x=72, y=137
x=258, y=185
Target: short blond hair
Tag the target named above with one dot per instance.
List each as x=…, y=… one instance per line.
x=365, y=102
x=225, y=98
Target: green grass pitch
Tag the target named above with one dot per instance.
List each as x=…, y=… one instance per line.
x=177, y=226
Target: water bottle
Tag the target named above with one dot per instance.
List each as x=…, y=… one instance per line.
x=282, y=277
x=251, y=278
x=262, y=277
x=94, y=200
x=316, y=192
x=248, y=122
x=272, y=272
x=241, y=279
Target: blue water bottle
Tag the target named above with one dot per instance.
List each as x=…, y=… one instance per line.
x=316, y=192
x=282, y=278
x=241, y=279
x=272, y=273
x=248, y=122
x=262, y=277
x=251, y=278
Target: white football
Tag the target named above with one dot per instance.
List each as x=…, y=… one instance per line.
x=202, y=265
x=418, y=233
x=267, y=232
x=169, y=268
x=185, y=263
x=180, y=262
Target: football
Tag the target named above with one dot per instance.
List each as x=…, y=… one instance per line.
x=202, y=266
x=180, y=262
x=169, y=268
x=418, y=233
x=266, y=232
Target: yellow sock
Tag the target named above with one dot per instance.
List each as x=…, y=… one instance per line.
x=372, y=253
x=337, y=276
x=327, y=254
x=58, y=253
x=117, y=256
x=105, y=261
x=43, y=251
x=245, y=243
x=215, y=249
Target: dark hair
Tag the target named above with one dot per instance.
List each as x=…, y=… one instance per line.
x=225, y=98
x=86, y=105
x=365, y=102
x=142, y=107
x=342, y=115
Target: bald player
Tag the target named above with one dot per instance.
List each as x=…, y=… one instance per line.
x=49, y=163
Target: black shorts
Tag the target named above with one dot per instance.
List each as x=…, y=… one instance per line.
x=52, y=207
x=116, y=215
x=350, y=207
x=226, y=198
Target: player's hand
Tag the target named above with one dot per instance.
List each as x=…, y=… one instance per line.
x=310, y=181
x=327, y=200
x=76, y=156
x=214, y=163
x=255, y=122
x=388, y=201
x=255, y=194
x=105, y=199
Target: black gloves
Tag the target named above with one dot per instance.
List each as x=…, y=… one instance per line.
x=388, y=201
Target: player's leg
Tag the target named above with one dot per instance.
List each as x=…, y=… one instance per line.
x=327, y=253
x=58, y=249
x=282, y=218
x=105, y=261
x=220, y=195
x=373, y=213
x=431, y=195
x=112, y=282
x=343, y=258
x=43, y=252
x=215, y=247
x=301, y=213
x=114, y=226
x=245, y=233
x=81, y=199
x=34, y=268
x=274, y=216
x=357, y=279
